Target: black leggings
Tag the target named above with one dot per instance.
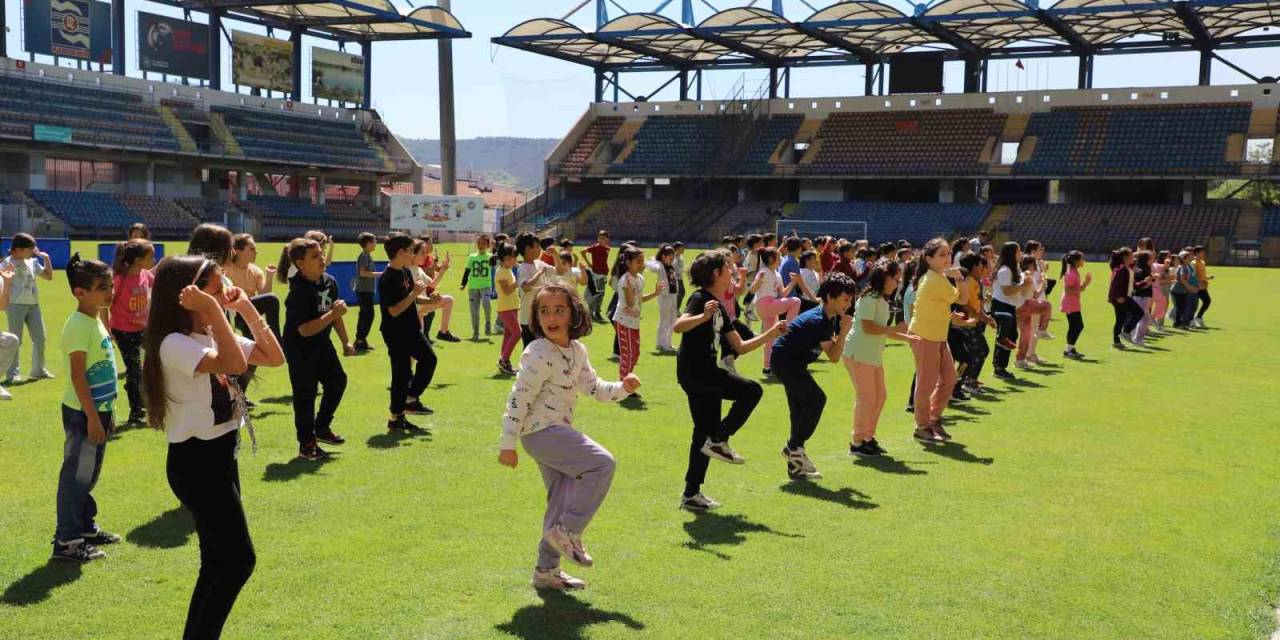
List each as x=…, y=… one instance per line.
x=204, y=476
x=307, y=369
x=406, y=379
x=806, y=401
x=1128, y=313
x=365, y=323
x=1075, y=325
x=705, y=396
x=1005, y=315
x=130, y=344
x=1203, y=294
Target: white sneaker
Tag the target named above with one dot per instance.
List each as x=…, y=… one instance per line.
x=1139, y=342
x=1022, y=364
x=1035, y=359
x=698, y=503
x=799, y=466
x=722, y=451
x=556, y=579
x=568, y=544
x=1045, y=334
x=43, y=374
x=1200, y=323
x=5, y=395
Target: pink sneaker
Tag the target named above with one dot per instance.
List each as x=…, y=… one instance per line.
x=568, y=544
x=556, y=579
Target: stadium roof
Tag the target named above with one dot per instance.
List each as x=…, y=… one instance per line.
x=347, y=20
x=865, y=31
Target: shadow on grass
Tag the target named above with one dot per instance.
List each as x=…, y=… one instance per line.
x=844, y=496
x=957, y=452
x=886, y=464
x=287, y=400
x=398, y=438
x=561, y=617
x=967, y=408
x=36, y=586
x=1042, y=371
x=1024, y=383
x=169, y=530
x=713, y=529
x=633, y=403
x=295, y=468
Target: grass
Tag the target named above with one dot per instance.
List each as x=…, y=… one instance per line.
x=1131, y=496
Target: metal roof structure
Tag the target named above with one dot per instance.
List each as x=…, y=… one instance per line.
x=869, y=32
x=341, y=20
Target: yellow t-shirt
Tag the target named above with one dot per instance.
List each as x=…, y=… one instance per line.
x=506, y=301
x=973, y=295
x=1202, y=274
x=932, y=313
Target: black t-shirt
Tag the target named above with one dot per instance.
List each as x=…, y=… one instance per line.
x=307, y=301
x=394, y=285
x=697, y=356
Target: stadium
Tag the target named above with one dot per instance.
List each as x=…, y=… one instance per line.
x=1124, y=494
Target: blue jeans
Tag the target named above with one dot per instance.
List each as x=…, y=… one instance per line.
x=81, y=465
x=27, y=315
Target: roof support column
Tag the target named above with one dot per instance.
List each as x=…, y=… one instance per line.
x=870, y=84
x=1085, y=76
x=117, y=37
x=599, y=85
x=295, y=39
x=786, y=80
x=972, y=74
x=615, y=86
x=448, y=135
x=684, y=85
x=215, y=49
x=1206, y=67
x=366, y=51
x=986, y=64
x=881, y=74
x=773, y=82
x=699, y=84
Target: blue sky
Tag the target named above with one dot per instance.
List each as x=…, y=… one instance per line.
x=506, y=92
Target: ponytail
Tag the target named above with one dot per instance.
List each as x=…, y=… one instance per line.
x=282, y=269
x=294, y=251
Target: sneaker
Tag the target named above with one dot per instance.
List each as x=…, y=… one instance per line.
x=911, y=408
x=568, y=544
x=936, y=425
x=5, y=395
x=447, y=337
x=1118, y=345
x=312, y=452
x=416, y=408
x=864, y=450
x=1022, y=364
x=401, y=424
x=1034, y=359
x=958, y=394
x=1044, y=334
x=1197, y=323
x=1007, y=344
x=613, y=357
x=362, y=346
x=329, y=437
x=1004, y=374
x=698, y=503
x=100, y=536
x=722, y=451
x=766, y=372
x=12, y=380
x=488, y=330
x=971, y=388
x=799, y=466
x=1071, y=353
x=554, y=578
x=136, y=419
x=1139, y=342
x=875, y=444
x=249, y=404
x=76, y=551
x=505, y=367
x=927, y=435
x=43, y=374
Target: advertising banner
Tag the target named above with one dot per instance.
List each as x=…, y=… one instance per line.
x=262, y=62
x=78, y=29
x=423, y=214
x=51, y=133
x=173, y=46
x=337, y=75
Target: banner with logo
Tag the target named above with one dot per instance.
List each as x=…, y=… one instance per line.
x=423, y=214
x=262, y=62
x=79, y=29
x=173, y=46
x=337, y=75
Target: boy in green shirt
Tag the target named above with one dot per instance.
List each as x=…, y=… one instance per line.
x=476, y=280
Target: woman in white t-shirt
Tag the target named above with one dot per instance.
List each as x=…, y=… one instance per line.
x=192, y=360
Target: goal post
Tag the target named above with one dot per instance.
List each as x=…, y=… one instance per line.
x=848, y=229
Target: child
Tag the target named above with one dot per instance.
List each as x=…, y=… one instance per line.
x=1121, y=296
x=1010, y=290
x=549, y=255
x=863, y=356
x=596, y=257
x=1143, y=279
x=773, y=297
x=401, y=329
x=28, y=263
x=366, y=285
x=508, y=305
x=930, y=318
x=312, y=308
x=127, y=316
x=1028, y=315
x=668, y=278
x=1163, y=275
x=809, y=281
x=189, y=373
x=86, y=412
x=1184, y=291
x=576, y=470
x=678, y=264
x=568, y=275
x=974, y=339
x=1072, y=287
x=824, y=328
x=243, y=273
x=789, y=269
x=626, y=318
x=139, y=231
x=1044, y=310
x=531, y=275
x=475, y=279
x=8, y=341
x=1203, y=278
x=704, y=382
x=426, y=267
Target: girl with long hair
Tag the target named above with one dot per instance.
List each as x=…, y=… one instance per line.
x=127, y=316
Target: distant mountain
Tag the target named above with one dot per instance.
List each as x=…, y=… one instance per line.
x=514, y=161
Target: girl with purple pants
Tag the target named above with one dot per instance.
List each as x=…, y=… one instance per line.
x=577, y=472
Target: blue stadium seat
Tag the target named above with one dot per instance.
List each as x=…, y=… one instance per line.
x=915, y=222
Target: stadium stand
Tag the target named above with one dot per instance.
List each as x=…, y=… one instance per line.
x=673, y=145
x=1271, y=222
x=161, y=215
x=560, y=210
x=209, y=210
x=915, y=222
x=745, y=217
x=1176, y=139
x=902, y=143
x=85, y=212
x=1097, y=228
x=645, y=220
x=95, y=116
x=779, y=128
x=295, y=138
x=600, y=130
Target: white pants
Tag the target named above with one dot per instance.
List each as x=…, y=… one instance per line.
x=667, y=312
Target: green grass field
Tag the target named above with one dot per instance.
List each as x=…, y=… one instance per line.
x=1132, y=496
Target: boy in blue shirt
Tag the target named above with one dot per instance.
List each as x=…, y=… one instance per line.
x=790, y=267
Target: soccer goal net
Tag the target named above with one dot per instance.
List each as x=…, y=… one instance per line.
x=847, y=229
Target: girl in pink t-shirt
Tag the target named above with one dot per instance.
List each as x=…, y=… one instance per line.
x=1072, y=286
x=127, y=317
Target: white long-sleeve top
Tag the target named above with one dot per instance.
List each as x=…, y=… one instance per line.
x=547, y=387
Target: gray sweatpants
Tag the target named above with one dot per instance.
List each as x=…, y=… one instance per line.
x=476, y=298
x=27, y=316
x=577, y=473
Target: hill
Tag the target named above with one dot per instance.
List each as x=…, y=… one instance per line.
x=514, y=161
